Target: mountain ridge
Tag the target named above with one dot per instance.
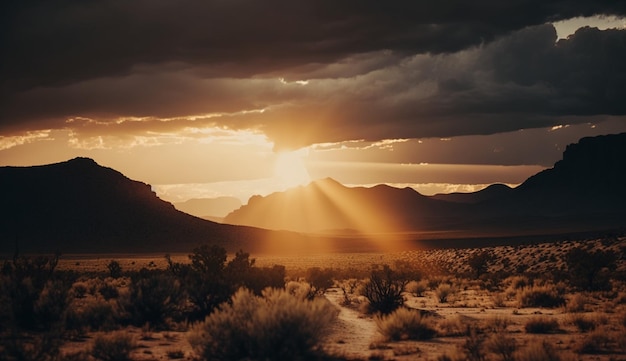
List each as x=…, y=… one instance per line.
x=583, y=190
x=80, y=206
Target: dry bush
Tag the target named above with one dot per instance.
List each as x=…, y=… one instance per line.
x=405, y=324
x=503, y=345
x=577, y=303
x=517, y=282
x=92, y=314
x=113, y=347
x=444, y=291
x=474, y=345
x=595, y=342
x=452, y=327
x=384, y=290
x=416, y=288
x=498, y=323
x=175, y=354
x=541, y=324
x=276, y=326
x=498, y=299
x=348, y=288
x=583, y=323
x=538, y=351
x=302, y=290
x=547, y=295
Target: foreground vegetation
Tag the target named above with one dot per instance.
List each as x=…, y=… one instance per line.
x=482, y=304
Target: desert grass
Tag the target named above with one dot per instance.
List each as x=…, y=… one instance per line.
x=405, y=324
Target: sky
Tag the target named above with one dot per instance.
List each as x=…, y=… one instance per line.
x=236, y=98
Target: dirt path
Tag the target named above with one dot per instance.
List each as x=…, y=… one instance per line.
x=353, y=333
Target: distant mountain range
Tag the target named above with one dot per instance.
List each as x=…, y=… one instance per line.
x=80, y=206
x=209, y=208
x=586, y=190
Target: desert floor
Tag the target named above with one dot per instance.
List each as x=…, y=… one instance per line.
x=355, y=334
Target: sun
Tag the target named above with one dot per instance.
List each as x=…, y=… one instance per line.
x=290, y=170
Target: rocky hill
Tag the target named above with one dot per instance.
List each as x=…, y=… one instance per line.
x=80, y=206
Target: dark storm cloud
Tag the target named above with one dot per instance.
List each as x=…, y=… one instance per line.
x=377, y=69
x=60, y=42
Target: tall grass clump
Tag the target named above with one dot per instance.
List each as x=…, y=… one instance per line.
x=416, y=288
x=405, y=324
x=274, y=326
x=113, y=347
x=444, y=291
x=541, y=296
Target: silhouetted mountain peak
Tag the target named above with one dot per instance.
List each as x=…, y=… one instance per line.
x=593, y=165
x=79, y=205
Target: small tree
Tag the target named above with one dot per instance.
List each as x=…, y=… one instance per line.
x=320, y=280
x=115, y=270
x=384, y=290
x=479, y=261
x=586, y=268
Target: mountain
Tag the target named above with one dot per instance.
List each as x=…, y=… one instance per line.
x=208, y=208
x=326, y=205
x=584, y=191
x=80, y=206
x=491, y=192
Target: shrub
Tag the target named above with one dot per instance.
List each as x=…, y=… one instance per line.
x=416, y=288
x=36, y=347
x=452, y=327
x=276, y=326
x=590, y=270
x=348, y=288
x=384, y=290
x=175, y=354
x=518, y=282
x=540, y=296
x=498, y=323
x=444, y=291
x=538, y=351
x=473, y=347
x=583, y=323
x=541, y=324
x=502, y=345
x=479, y=261
x=115, y=270
x=498, y=299
x=91, y=315
x=108, y=291
x=577, y=303
x=154, y=298
x=114, y=347
x=405, y=324
x=595, y=342
x=319, y=279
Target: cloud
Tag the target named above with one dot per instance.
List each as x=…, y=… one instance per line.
x=373, y=70
x=78, y=40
